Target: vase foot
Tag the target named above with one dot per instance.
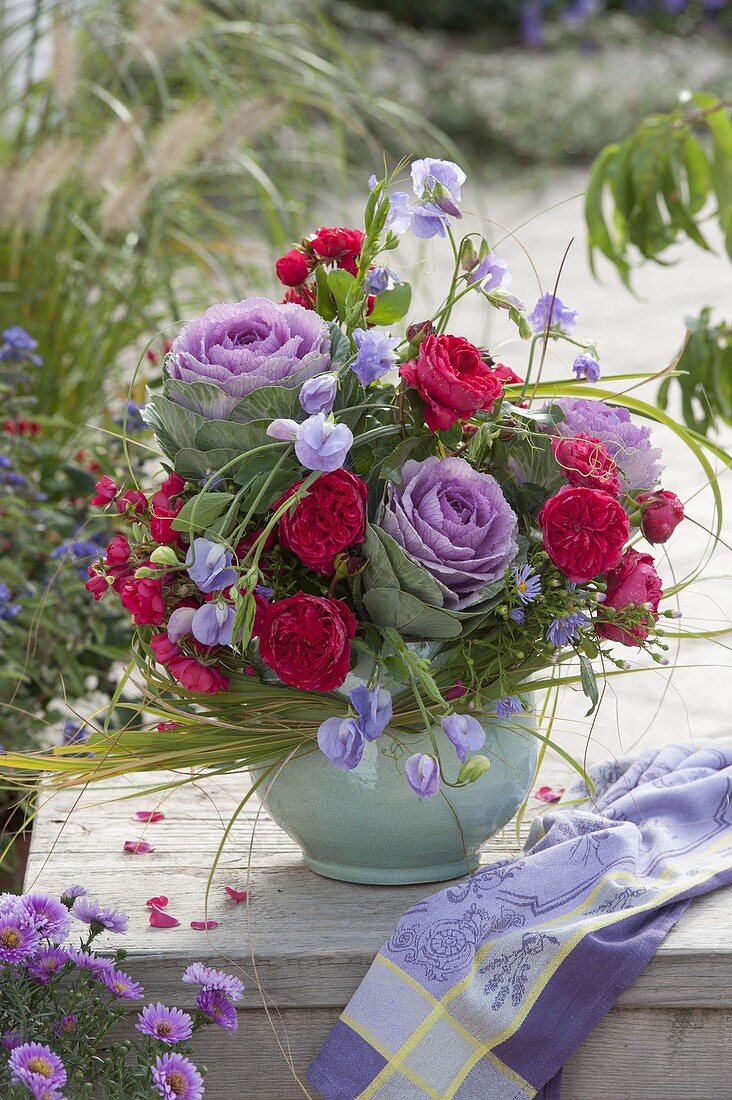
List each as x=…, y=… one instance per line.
x=394, y=876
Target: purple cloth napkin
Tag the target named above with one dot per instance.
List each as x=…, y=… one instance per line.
x=486, y=988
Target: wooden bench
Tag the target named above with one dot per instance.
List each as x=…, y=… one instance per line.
x=303, y=943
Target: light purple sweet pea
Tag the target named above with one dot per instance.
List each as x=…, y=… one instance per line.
x=321, y=444
x=318, y=394
x=550, y=312
x=381, y=278
x=423, y=774
x=180, y=623
x=341, y=740
x=465, y=732
x=430, y=174
x=213, y=623
x=374, y=709
x=376, y=354
x=454, y=521
x=428, y=221
x=586, y=366
x=240, y=347
x=208, y=564
x=492, y=273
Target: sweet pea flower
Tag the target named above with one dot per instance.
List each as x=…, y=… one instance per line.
x=213, y=623
x=428, y=221
x=465, y=732
x=492, y=273
x=441, y=179
x=376, y=354
x=551, y=313
x=374, y=709
x=341, y=740
x=208, y=564
x=318, y=394
x=180, y=623
x=320, y=443
x=381, y=278
x=423, y=774
x=586, y=366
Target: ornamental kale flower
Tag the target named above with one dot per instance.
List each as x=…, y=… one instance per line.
x=492, y=273
x=639, y=464
x=169, y=1025
x=48, y=916
x=208, y=564
x=99, y=917
x=210, y=978
x=176, y=1078
x=456, y=523
x=374, y=709
x=218, y=1008
x=18, y=938
x=341, y=740
x=465, y=732
x=243, y=346
x=550, y=312
x=423, y=774
x=586, y=366
x=33, y=1065
x=376, y=355
x=122, y=985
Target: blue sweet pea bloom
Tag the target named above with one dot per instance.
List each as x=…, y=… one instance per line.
x=443, y=176
x=208, y=564
x=341, y=740
x=376, y=354
x=550, y=312
x=381, y=278
x=374, y=709
x=180, y=623
x=492, y=273
x=465, y=732
x=586, y=366
x=212, y=624
x=321, y=444
x=428, y=221
x=318, y=394
x=399, y=218
x=423, y=774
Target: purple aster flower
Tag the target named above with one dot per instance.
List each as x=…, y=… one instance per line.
x=176, y=1078
x=517, y=615
x=180, y=623
x=376, y=355
x=208, y=564
x=71, y=893
x=639, y=464
x=528, y=583
x=18, y=938
x=213, y=623
x=455, y=522
x=11, y=1039
x=492, y=273
x=67, y=1025
x=551, y=312
x=219, y=1009
x=74, y=733
x=86, y=960
x=47, y=963
x=34, y=1065
x=586, y=366
x=374, y=709
x=341, y=740
x=508, y=706
x=318, y=394
x=200, y=974
x=440, y=180
x=465, y=732
x=99, y=917
x=170, y=1025
x=47, y=915
x=381, y=278
x=565, y=628
x=122, y=985
x=423, y=774
x=428, y=221
x=244, y=346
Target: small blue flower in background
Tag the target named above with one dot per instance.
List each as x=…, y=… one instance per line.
x=318, y=394
x=213, y=623
x=8, y=610
x=74, y=733
x=492, y=272
x=564, y=629
x=586, y=366
x=508, y=706
x=423, y=774
x=374, y=709
x=131, y=419
x=341, y=740
x=208, y=564
x=465, y=732
x=6, y=462
x=376, y=355
x=399, y=218
x=18, y=347
x=528, y=583
x=563, y=319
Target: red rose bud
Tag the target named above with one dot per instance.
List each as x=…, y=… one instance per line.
x=195, y=676
x=107, y=490
x=452, y=379
x=117, y=558
x=162, y=513
x=302, y=296
x=152, y=355
x=662, y=513
x=306, y=641
x=97, y=584
x=584, y=532
x=419, y=331
x=585, y=461
x=634, y=582
x=132, y=502
x=164, y=650
x=337, y=243
x=292, y=269
x=331, y=518
x=143, y=598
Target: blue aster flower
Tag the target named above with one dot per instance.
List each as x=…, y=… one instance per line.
x=508, y=706
x=528, y=583
x=565, y=628
x=517, y=615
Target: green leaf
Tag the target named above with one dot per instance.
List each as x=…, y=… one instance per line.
x=323, y=301
x=339, y=284
x=589, y=682
x=391, y=467
x=389, y=566
x=340, y=346
x=235, y=438
x=388, y=607
x=196, y=465
x=174, y=426
x=599, y=236
x=391, y=305
x=200, y=511
x=266, y=403
x=698, y=174
x=204, y=398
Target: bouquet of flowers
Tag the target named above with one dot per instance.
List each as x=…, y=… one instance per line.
x=367, y=532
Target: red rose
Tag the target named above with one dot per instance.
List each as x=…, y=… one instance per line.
x=173, y=485
x=132, y=502
x=634, y=582
x=507, y=376
x=337, y=244
x=661, y=516
x=331, y=518
x=306, y=641
x=107, y=490
x=163, y=511
x=452, y=380
x=197, y=677
x=302, y=296
x=143, y=598
x=165, y=650
x=292, y=269
x=96, y=584
x=118, y=554
x=585, y=461
x=584, y=531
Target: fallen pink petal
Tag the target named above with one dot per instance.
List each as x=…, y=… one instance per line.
x=138, y=847
x=237, y=895
x=549, y=794
x=150, y=816
x=157, y=903
x=204, y=925
x=159, y=919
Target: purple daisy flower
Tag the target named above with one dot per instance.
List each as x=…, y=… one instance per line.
x=10, y=1039
x=565, y=628
x=99, y=917
x=122, y=985
x=71, y=893
x=18, y=938
x=218, y=1008
x=48, y=916
x=508, y=706
x=639, y=464
x=518, y=615
x=528, y=583
x=176, y=1078
x=170, y=1025
x=34, y=1065
x=47, y=963
x=94, y=964
x=67, y=1025
x=200, y=974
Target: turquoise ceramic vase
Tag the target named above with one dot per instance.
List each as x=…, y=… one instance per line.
x=367, y=825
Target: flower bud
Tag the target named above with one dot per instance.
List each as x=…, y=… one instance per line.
x=164, y=555
x=473, y=768
x=419, y=331
x=662, y=513
x=318, y=393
